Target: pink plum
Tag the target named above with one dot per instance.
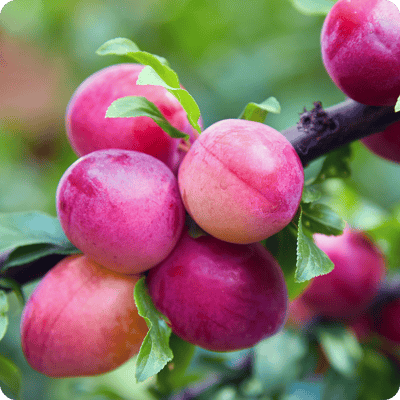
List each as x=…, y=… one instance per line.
x=241, y=181
x=385, y=144
x=218, y=295
x=349, y=289
x=88, y=129
x=361, y=50
x=121, y=208
x=81, y=320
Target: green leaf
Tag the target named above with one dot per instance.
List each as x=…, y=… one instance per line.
x=137, y=106
x=16, y=288
x=125, y=47
x=335, y=165
x=311, y=260
x=31, y=235
x=339, y=387
x=397, y=106
x=341, y=348
x=3, y=313
x=10, y=375
x=278, y=360
x=320, y=218
x=173, y=376
x=258, y=112
x=149, y=76
x=156, y=73
x=313, y=7
x=155, y=352
x=380, y=376
x=283, y=247
x=310, y=194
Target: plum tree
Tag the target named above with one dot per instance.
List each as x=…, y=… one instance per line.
x=385, y=144
x=241, y=181
x=88, y=129
x=359, y=270
x=121, y=208
x=361, y=49
x=81, y=320
x=218, y=295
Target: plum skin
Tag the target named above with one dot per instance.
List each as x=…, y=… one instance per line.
x=220, y=296
x=81, y=320
x=361, y=50
x=388, y=322
x=348, y=290
x=241, y=181
x=88, y=130
x=121, y=208
x=385, y=144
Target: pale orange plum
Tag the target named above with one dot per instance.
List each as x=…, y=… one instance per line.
x=121, y=208
x=241, y=181
x=81, y=320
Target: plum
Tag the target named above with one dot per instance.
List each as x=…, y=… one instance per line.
x=348, y=290
x=385, y=144
x=361, y=50
x=218, y=295
x=388, y=322
x=81, y=320
x=121, y=208
x=241, y=181
x=88, y=129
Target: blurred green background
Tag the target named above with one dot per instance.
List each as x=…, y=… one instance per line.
x=226, y=54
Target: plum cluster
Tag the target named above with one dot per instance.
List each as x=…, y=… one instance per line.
x=123, y=204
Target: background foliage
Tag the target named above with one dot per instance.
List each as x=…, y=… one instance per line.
x=226, y=54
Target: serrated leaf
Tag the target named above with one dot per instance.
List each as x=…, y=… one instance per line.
x=310, y=194
x=31, y=235
x=340, y=347
x=335, y=165
x=125, y=47
x=156, y=73
x=137, y=106
x=320, y=218
x=155, y=352
x=3, y=314
x=10, y=375
x=15, y=287
x=313, y=7
x=149, y=76
x=173, y=376
x=397, y=106
x=258, y=112
x=283, y=247
x=311, y=260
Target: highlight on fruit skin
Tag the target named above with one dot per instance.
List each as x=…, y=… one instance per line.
x=89, y=130
x=241, y=181
x=218, y=295
x=81, y=320
x=121, y=208
x=360, y=44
